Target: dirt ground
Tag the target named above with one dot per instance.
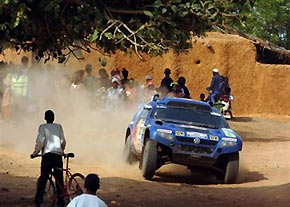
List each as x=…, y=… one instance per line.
x=264, y=175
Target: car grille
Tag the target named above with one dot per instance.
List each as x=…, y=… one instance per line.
x=202, y=141
x=190, y=148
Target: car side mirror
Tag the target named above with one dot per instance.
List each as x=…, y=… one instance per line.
x=155, y=97
x=147, y=107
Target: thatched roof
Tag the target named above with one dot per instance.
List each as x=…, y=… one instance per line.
x=267, y=51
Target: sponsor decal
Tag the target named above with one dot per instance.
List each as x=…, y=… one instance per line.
x=229, y=132
x=179, y=133
x=229, y=139
x=196, y=135
x=140, y=129
x=214, y=138
x=164, y=131
x=196, y=140
x=215, y=114
x=161, y=106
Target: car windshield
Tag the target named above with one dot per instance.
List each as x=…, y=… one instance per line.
x=193, y=117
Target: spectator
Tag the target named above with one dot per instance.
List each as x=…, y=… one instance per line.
x=131, y=92
x=19, y=80
x=104, y=79
x=116, y=74
x=89, y=80
x=115, y=95
x=125, y=80
x=166, y=82
x=224, y=87
x=77, y=82
x=177, y=91
x=202, y=97
x=89, y=198
x=7, y=98
x=181, y=82
x=51, y=142
x=149, y=85
x=215, y=84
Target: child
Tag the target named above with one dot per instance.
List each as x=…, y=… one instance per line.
x=181, y=82
x=89, y=199
x=202, y=97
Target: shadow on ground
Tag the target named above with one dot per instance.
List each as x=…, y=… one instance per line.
x=254, y=137
x=123, y=192
x=242, y=119
x=183, y=176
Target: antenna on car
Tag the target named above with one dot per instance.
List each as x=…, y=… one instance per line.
x=155, y=97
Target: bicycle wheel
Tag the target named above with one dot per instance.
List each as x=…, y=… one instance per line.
x=76, y=184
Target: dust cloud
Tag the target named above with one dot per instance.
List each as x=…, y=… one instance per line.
x=95, y=135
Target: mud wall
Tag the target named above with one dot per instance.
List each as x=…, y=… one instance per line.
x=257, y=88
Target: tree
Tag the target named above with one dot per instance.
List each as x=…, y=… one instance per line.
x=267, y=19
x=57, y=28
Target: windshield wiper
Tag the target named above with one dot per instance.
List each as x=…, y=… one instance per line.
x=205, y=125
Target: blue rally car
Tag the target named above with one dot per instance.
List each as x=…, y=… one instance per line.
x=185, y=132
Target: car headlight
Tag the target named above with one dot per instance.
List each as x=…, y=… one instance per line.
x=228, y=142
x=165, y=133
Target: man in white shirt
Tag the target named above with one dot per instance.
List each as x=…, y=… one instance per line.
x=89, y=199
x=51, y=142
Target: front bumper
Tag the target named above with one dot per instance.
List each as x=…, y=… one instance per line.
x=204, y=154
x=193, y=160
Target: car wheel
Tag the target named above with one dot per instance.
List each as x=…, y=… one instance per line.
x=128, y=156
x=149, y=160
x=232, y=169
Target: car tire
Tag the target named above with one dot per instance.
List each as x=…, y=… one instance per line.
x=232, y=169
x=149, y=159
x=128, y=156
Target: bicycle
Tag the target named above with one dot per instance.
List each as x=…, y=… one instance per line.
x=73, y=183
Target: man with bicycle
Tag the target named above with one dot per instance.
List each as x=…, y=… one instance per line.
x=51, y=142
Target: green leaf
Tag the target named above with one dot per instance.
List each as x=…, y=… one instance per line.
x=158, y=4
x=164, y=10
x=141, y=27
x=183, y=14
x=17, y=21
x=148, y=13
x=108, y=35
x=174, y=8
x=95, y=35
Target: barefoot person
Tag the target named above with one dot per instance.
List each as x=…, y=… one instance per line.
x=89, y=199
x=51, y=141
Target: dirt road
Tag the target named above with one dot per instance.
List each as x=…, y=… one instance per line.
x=264, y=175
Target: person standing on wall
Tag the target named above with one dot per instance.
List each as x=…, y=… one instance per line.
x=166, y=83
x=214, y=85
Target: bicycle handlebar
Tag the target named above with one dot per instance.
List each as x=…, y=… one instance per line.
x=34, y=156
x=72, y=155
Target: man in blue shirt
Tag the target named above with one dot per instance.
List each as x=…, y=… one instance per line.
x=214, y=86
